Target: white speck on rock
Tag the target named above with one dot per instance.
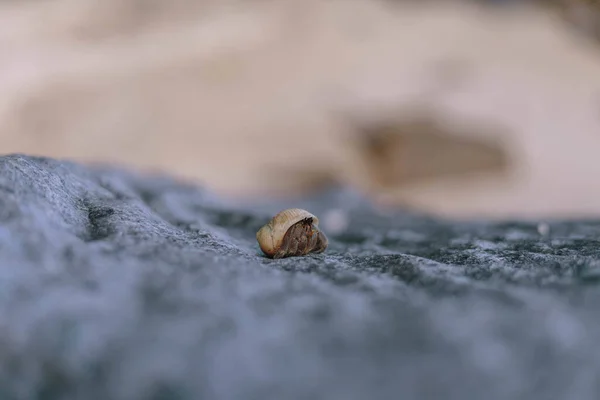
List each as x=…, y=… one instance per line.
x=335, y=221
x=543, y=229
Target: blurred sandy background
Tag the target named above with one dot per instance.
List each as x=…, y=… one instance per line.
x=450, y=107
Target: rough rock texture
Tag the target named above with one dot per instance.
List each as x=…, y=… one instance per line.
x=118, y=286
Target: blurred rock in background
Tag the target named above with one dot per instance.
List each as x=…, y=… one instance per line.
x=456, y=108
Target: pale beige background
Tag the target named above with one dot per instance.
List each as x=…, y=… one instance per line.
x=450, y=108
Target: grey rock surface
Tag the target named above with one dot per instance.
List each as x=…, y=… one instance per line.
x=115, y=285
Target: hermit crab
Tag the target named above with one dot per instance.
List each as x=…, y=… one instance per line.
x=292, y=232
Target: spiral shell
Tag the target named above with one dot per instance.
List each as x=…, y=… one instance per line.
x=292, y=232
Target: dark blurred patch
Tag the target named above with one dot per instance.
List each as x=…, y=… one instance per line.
x=583, y=15
x=423, y=147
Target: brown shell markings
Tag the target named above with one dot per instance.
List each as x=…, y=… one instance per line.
x=292, y=232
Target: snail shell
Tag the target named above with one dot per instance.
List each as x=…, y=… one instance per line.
x=292, y=232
